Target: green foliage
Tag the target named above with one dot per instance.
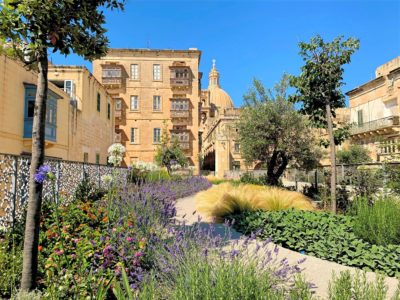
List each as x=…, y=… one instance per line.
x=378, y=223
x=271, y=131
x=323, y=235
x=321, y=77
x=10, y=265
x=123, y=291
x=87, y=190
x=356, y=154
x=392, y=175
x=169, y=152
x=348, y=287
x=76, y=26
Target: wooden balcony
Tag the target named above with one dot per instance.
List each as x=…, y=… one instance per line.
x=180, y=113
x=184, y=145
x=118, y=114
x=117, y=138
x=180, y=82
x=112, y=82
x=377, y=127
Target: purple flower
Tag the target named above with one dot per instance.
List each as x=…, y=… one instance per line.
x=130, y=239
x=41, y=173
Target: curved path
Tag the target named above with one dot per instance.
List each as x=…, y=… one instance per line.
x=315, y=270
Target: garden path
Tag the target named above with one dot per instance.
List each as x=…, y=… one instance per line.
x=315, y=270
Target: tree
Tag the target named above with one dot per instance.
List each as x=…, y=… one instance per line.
x=169, y=153
x=318, y=87
x=355, y=154
x=272, y=132
x=32, y=28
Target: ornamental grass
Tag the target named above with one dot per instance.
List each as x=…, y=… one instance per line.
x=226, y=199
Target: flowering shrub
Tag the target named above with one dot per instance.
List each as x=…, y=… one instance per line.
x=115, y=154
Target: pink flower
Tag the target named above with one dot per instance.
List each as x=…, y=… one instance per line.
x=59, y=252
x=130, y=239
x=138, y=254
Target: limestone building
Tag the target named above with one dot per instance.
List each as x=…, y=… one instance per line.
x=220, y=147
x=374, y=111
x=153, y=90
x=65, y=114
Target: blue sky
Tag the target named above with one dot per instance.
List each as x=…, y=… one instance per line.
x=251, y=38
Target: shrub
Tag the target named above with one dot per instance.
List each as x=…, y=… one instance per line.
x=346, y=286
x=87, y=190
x=226, y=199
x=323, y=235
x=378, y=223
x=356, y=154
x=194, y=264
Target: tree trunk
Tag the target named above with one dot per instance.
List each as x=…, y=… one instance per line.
x=31, y=237
x=272, y=175
x=332, y=157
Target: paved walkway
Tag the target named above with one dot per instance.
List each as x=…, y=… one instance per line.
x=315, y=270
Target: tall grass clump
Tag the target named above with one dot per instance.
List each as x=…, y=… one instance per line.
x=196, y=263
x=346, y=286
x=379, y=222
x=226, y=199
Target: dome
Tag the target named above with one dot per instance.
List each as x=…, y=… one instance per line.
x=218, y=96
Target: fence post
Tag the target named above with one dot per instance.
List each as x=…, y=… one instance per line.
x=316, y=179
x=14, y=188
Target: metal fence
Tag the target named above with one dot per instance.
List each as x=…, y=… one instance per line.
x=14, y=182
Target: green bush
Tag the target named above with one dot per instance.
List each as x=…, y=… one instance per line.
x=356, y=154
x=323, y=235
x=10, y=265
x=87, y=190
x=349, y=287
x=378, y=223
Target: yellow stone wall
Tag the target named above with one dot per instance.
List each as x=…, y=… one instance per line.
x=12, y=101
x=145, y=119
x=91, y=131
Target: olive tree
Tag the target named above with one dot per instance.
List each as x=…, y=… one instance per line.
x=33, y=28
x=318, y=88
x=273, y=133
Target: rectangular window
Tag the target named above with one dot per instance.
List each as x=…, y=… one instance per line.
x=98, y=101
x=134, y=103
x=360, y=120
x=111, y=72
x=69, y=87
x=156, y=103
x=118, y=104
x=180, y=104
x=134, y=135
x=236, y=165
x=85, y=157
x=108, y=111
x=97, y=158
x=135, y=72
x=237, y=147
x=156, y=135
x=156, y=72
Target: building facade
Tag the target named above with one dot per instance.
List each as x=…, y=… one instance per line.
x=73, y=127
x=220, y=147
x=374, y=112
x=17, y=97
x=91, y=113
x=153, y=90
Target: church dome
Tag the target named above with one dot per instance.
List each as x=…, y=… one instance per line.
x=218, y=96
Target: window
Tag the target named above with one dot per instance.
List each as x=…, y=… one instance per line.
x=180, y=136
x=97, y=158
x=236, y=165
x=156, y=72
x=51, y=113
x=180, y=104
x=98, y=101
x=118, y=104
x=182, y=73
x=237, y=147
x=85, y=157
x=135, y=72
x=69, y=87
x=111, y=72
x=360, y=120
x=108, y=111
x=134, y=103
x=156, y=103
x=156, y=135
x=134, y=135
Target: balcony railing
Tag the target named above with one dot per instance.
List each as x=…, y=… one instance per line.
x=184, y=145
x=375, y=125
x=179, y=113
x=180, y=82
x=112, y=81
x=118, y=114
